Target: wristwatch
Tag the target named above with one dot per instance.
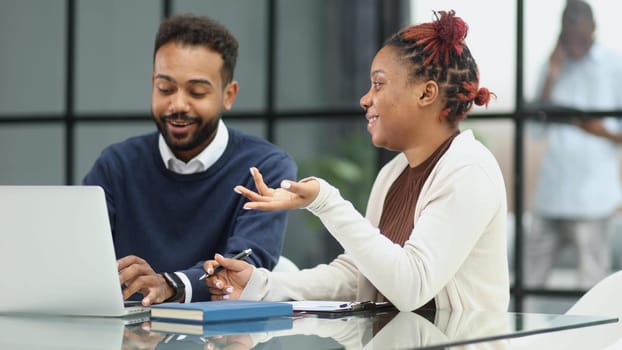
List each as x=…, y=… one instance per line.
x=176, y=283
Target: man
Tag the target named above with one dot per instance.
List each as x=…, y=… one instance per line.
x=579, y=186
x=170, y=193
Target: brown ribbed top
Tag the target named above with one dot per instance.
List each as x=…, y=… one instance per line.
x=398, y=212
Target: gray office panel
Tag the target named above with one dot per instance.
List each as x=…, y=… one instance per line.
x=31, y=154
x=247, y=21
x=324, y=51
x=32, y=63
x=253, y=127
x=92, y=138
x=114, y=55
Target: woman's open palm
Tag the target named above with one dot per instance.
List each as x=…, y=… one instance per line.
x=291, y=194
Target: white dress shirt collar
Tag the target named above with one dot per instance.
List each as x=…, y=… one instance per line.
x=203, y=160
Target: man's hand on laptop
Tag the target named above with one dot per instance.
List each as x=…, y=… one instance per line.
x=137, y=276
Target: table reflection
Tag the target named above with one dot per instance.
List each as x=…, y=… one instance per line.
x=403, y=330
x=49, y=332
x=440, y=329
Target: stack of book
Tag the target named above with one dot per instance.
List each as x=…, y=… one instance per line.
x=221, y=317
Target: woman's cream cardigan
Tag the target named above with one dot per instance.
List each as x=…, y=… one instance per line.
x=455, y=254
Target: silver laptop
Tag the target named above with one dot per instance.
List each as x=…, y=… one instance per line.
x=56, y=253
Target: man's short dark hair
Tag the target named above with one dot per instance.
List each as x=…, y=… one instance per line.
x=202, y=31
x=576, y=10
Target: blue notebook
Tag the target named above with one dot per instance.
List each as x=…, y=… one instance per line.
x=221, y=310
x=222, y=328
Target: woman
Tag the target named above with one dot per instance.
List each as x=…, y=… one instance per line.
x=434, y=231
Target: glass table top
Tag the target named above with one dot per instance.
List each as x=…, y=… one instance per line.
x=440, y=329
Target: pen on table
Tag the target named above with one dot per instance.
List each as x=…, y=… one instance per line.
x=239, y=256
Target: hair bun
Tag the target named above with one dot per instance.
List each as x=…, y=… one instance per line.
x=440, y=37
x=483, y=97
x=451, y=30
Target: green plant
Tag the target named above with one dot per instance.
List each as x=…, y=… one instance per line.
x=350, y=167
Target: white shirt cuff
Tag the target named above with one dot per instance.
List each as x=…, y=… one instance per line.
x=188, y=285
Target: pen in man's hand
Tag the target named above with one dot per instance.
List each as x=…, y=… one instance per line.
x=239, y=256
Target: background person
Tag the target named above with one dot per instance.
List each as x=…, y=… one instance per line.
x=578, y=189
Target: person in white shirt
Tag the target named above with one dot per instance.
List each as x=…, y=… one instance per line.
x=578, y=190
x=434, y=235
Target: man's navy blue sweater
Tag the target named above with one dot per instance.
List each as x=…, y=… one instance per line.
x=175, y=221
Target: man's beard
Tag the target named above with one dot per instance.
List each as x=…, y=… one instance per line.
x=201, y=135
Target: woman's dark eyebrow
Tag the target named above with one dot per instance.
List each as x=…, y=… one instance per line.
x=376, y=72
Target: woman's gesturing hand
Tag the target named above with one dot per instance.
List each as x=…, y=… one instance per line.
x=291, y=194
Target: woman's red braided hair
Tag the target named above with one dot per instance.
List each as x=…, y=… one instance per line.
x=483, y=97
x=438, y=38
x=437, y=51
x=471, y=92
